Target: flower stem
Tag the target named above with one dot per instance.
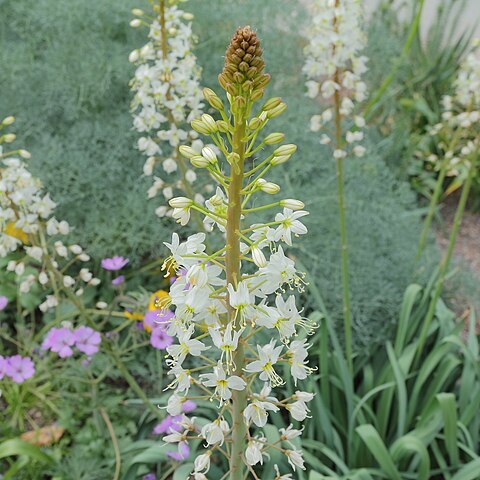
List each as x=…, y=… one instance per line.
x=448, y=256
x=431, y=210
x=343, y=232
x=232, y=263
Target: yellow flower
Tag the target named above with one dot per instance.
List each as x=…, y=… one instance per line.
x=159, y=300
x=15, y=232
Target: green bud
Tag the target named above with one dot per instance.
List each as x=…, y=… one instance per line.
x=274, y=138
x=210, y=123
x=200, y=127
x=199, y=161
x=272, y=103
x=288, y=149
x=187, y=152
x=8, y=120
x=223, y=126
x=213, y=99
x=278, y=110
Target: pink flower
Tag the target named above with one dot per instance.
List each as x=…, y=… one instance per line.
x=114, y=263
x=170, y=422
x=87, y=340
x=59, y=340
x=182, y=454
x=157, y=318
x=3, y=367
x=189, y=406
x=3, y=302
x=118, y=280
x=19, y=368
x=159, y=339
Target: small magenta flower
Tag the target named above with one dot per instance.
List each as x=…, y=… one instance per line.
x=115, y=263
x=19, y=368
x=87, y=340
x=169, y=423
x=182, y=453
x=118, y=280
x=3, y=302
x=149, y=476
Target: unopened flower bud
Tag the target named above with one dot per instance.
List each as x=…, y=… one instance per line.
x=8, y=138
x=272, y=103
x=200, y=127
x=258, y=257
x=255, y=123
x=280, y=159
x=223, y=126
x=188, y=16
x=187, y=152
x=180, y=202
x=135, y=23
x=199, y=161
x=134, y=56
x=288, y=149
x=273, y=138
x=292, y=204
x=209, y=154
x=25, y=154
x=270, y=188
x=277, y=111
x=209, y=121
x=212, y=98
x=8, y=120
x=138, y=12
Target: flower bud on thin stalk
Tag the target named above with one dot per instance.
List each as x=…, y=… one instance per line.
x=220, y=308
x=334, y=70
x=167, y=97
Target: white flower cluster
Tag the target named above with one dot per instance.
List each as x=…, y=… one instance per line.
x=167, y=97
x=28, y=225
x=334, y=68
x=458, y=135
x=215, y=318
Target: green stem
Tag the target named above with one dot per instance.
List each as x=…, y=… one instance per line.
x=446, y=261
x=406, y=48
x=343, y=232
x=232, y=264
x=431, y=209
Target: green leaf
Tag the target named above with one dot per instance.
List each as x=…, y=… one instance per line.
x=469, y=471
x=378, y=449
x=16, y=447
x=448, y=407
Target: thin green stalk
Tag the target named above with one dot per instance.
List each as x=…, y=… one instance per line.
x=343, y=233
x=431, y=209
x=232, y=263
x=406, y=48
x=446, y=261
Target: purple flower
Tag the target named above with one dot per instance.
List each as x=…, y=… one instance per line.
x=118, y=280
x=168, y=424
x=19, y=368
x=114, y=263
x=3, y=366
x=3, y=302
x=157, y=318
x=159, y=339
x=87, y=340
x=149, y=476
x=189, y=406
x=182, y=454
x=59, y=340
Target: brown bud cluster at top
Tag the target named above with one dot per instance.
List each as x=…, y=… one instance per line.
x=242, y=74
